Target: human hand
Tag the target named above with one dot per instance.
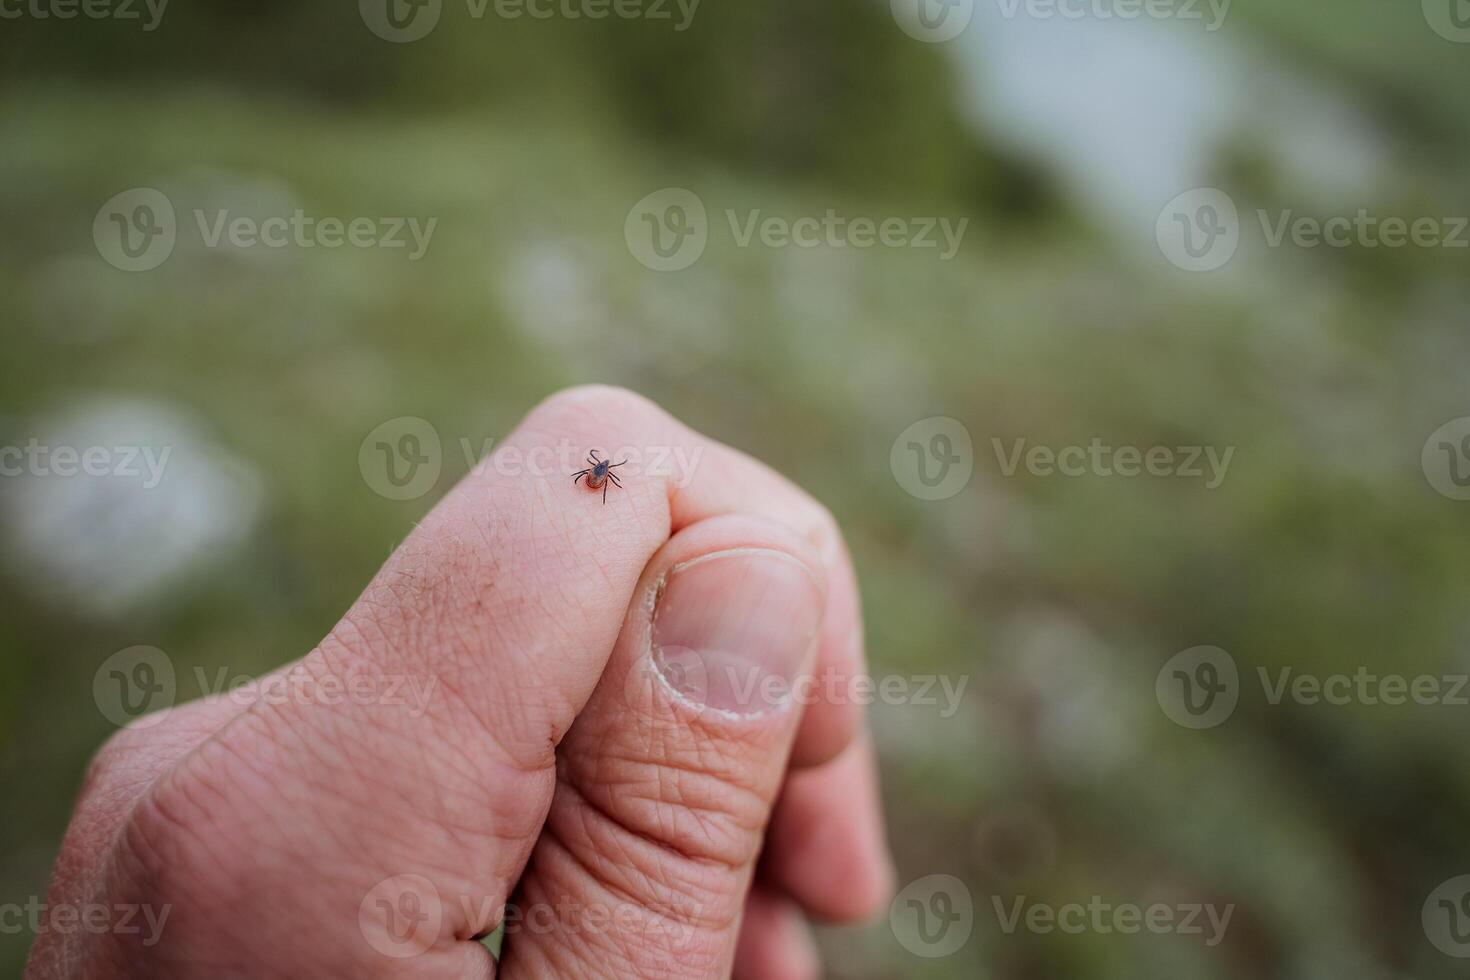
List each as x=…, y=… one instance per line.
x=552, y=765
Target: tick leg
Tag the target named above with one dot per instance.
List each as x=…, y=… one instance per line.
x=614, y=477
x=610, y=466
x=580, y=474
x=604, y=493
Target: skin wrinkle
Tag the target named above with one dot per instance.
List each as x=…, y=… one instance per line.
x=309, y=791
x=487, y=774
x=232, y=883
x=665, y=811
x=447, y=688
x=411, y=804
x=719, y=750
x=560, y=960
x=709, y=858
x=153, y=840
x=660, y=895
x=712, y=795
x=562, y=549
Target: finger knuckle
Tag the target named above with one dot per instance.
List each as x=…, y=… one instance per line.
x=114, y=757
x=601, y=403
x=703, y=809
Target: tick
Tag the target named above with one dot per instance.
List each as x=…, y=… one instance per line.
x=599, y=474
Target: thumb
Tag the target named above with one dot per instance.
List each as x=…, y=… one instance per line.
x=666, y=781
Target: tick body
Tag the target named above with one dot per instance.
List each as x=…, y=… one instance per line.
x=599, y=474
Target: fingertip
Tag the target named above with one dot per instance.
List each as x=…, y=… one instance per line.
x=775, y=941
x=826, y=845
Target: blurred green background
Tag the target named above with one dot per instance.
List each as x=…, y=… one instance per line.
x=1061, y=320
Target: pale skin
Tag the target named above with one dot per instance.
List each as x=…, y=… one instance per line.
x=655, y=839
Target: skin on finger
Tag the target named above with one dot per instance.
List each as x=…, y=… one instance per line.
x=726, y=481
x=826, y=847
x=665, y=782
x=775, y=941
x=120, y=773
x=503, y=605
